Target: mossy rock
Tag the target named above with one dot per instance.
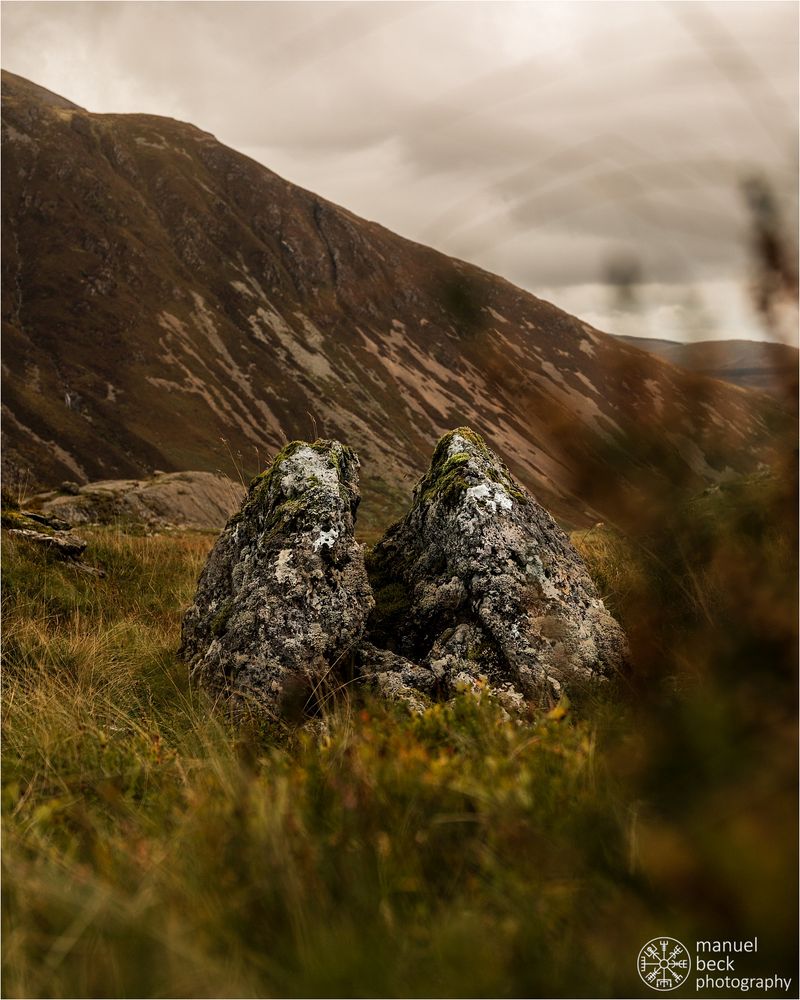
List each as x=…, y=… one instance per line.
x=16, y=519
x=263, y=489
x=479, y=579
x=284, y=595
x=451, y=473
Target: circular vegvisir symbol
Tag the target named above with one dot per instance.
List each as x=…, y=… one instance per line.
x=663, y=964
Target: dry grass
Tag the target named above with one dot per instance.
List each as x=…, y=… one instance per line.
x=151, y=851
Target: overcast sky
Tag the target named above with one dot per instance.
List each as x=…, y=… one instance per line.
x=549, y=142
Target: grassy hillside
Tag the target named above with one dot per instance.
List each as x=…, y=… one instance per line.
x=149, y=851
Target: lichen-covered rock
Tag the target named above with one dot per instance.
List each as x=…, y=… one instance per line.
x=399, y=679
x=63, y=546
x=284, y=596
x=478, y=581
x=46, y=521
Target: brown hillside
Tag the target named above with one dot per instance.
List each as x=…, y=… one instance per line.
x=163, y=292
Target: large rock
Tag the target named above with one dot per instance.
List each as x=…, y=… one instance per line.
x=198, y=500
x=479, y=581
x=284, y=596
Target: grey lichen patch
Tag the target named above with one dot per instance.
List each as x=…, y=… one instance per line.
x=303, y=474
x=399, y=679
x=284, y=595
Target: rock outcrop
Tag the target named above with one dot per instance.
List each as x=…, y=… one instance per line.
x=284, y=596
x=199, y=500
x=478, y=581
x=64, y=546
x=49, y=534
x=476, y=586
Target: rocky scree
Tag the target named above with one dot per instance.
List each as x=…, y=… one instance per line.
x=478, y=584
x=284, y=595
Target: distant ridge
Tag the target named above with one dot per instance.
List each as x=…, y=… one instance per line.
x=751, y=364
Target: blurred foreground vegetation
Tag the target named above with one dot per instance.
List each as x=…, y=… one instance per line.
x=149, y=851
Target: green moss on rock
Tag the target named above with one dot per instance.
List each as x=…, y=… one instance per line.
x=258, y=491
x=393, y=595
x=285, y=515
x=16, y=519
x=507, y=484
x=219, y=622
x=445, y=479
x=392, y=603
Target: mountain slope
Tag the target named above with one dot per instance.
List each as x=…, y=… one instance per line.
x=163, y=292
x=768, y=367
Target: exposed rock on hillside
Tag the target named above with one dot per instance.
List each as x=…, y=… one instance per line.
x=284, y=595
x=63, y=546
x=479, y=580
x=200, y=500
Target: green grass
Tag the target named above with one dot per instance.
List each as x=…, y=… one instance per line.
x=148, y=850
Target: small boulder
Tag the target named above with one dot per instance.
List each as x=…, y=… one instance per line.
x=397, y=678
x=284, y=596
x=478, y=581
